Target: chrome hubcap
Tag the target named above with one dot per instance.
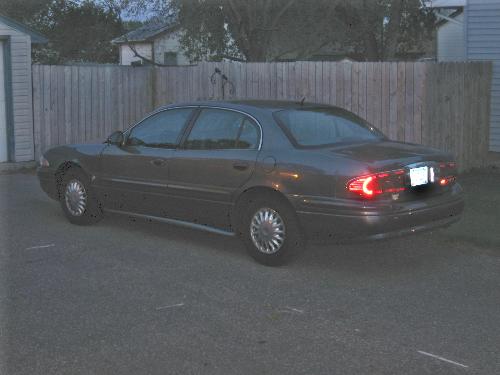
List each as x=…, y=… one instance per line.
x=75, y=197
x=267, y=230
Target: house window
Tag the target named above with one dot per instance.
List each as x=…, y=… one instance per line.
x=137, y=63
x=170, y=58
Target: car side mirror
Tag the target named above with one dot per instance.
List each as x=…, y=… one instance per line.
x=116, y=138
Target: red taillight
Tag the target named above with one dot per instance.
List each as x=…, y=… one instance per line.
x=365, y=186
x=447, y=173
x=446, y=180
x=375, y=184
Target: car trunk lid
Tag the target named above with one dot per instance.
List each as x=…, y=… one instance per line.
x=386, y=156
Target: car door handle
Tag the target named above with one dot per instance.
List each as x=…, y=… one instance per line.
x=158, y=162
x=240, y=166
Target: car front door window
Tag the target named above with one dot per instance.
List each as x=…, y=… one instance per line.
x=161, y=130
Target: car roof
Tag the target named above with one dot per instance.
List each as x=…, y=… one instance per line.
x=254, y=105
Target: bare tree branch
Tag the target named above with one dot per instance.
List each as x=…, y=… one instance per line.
x=281, y=13
x=144, y=58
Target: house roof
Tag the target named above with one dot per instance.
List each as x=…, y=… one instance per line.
x=446, y=3
x=36, y=37
x=147, y=32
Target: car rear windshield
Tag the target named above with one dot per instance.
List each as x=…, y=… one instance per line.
x=320, y=127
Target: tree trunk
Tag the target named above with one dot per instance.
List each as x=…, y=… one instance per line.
x=393, y=29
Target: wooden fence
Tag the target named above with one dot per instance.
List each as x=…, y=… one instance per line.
x=445, y=105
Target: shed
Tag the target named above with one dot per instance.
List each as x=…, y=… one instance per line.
x=469, y=30
x=16, y=107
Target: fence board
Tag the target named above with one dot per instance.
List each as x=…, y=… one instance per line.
x=347, y=83
x=54, y=97
x=46, y=106
x=385, y=76
x=409, y=89
x=37, y=118
x=418, y=82
x=441, y=105
x=292, y=81
x=377, y=98
x=485, y=111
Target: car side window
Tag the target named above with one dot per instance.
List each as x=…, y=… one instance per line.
x=218, y=129
x=162, y=129
x=249, y=135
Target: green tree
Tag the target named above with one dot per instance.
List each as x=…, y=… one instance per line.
x=266, y=30
x=386, y=29
x=256, y=30
x=78, y=31
x=23, y=10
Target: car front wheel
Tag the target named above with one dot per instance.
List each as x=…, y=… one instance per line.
x=77, y=199
x=271, y=231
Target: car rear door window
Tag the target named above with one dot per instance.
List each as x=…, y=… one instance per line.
x=218, y=129
x=162, y=129
x=249, y=135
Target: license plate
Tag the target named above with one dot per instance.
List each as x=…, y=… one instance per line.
x=419, y=176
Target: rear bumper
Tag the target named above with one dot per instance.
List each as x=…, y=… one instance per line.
x=47, y=180
x=371, y=222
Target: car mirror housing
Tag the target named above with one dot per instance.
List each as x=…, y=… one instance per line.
x=116, y=138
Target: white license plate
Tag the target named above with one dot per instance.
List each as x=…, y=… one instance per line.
x=419, y=176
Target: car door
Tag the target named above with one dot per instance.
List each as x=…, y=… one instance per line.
x=215, y=159
x=134, y=176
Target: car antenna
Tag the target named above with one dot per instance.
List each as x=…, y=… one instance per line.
x=302, y=101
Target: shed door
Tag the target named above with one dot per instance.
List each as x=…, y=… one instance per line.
x=3, y=117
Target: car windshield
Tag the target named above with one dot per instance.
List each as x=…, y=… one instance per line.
x=320, y=127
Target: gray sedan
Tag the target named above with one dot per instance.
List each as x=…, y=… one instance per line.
x=274, y=173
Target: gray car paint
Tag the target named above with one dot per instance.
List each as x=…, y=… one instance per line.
x=202, y=187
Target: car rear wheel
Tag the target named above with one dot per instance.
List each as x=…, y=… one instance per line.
x=271, y=231
x=78, y=202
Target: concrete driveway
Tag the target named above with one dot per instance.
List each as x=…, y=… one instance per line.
x=132, y=297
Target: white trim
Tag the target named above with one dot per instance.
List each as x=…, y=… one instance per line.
x=445, y=3
x=442, y=358
x=449, y=19
x=4, y=156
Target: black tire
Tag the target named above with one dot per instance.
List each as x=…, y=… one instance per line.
x=293, y=238
x=92, y=211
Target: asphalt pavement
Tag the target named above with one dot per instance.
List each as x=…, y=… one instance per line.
x=134, y=297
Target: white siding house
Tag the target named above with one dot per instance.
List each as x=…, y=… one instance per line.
x=157, y=41
x=451, y=41
x=16, y=112
x=128, y=57
x=483, y=43
x=475, y=33
x=4, y=156
x=167, y=49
